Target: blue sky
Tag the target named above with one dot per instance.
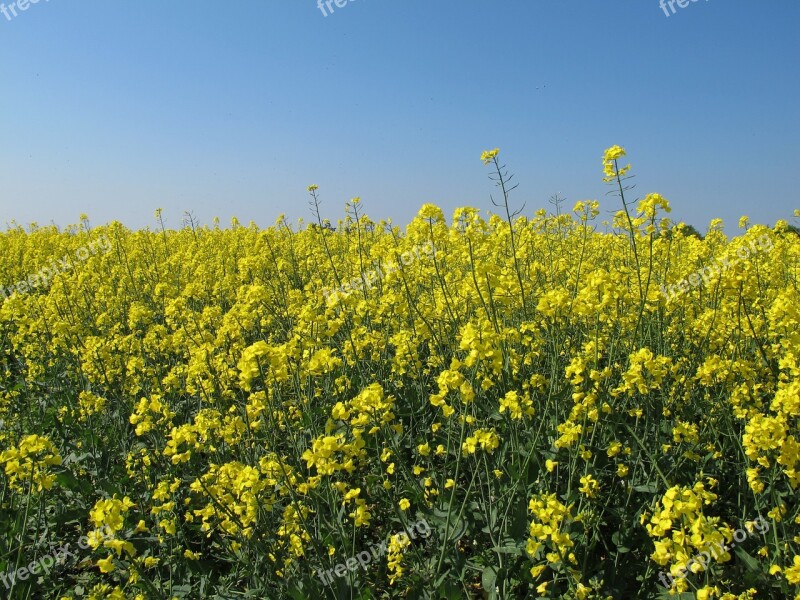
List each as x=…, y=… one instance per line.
x=233, y=108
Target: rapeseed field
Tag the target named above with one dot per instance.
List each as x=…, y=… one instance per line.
x=528, y=405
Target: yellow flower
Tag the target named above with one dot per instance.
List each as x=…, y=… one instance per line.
x=30, y=462
x=340, y=412
x=589, y=486
x=613, y=153
x=486, y=439
x=361, y=516
x=610, y=156
x=394, y=561
x=168, y=525
x=613, y=449
x=542, y=588
x=352, y=494
x=106, y=564
x=489, y=155
x=404, y=504
x=431, y=211
x=792, y=573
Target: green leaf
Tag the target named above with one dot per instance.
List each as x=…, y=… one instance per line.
x=649, y=488
x=489, y=579
x=751, y=563
x=616, y=538
x=515, y=550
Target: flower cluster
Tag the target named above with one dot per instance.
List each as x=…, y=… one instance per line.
x=29, y=463
x=549, y=536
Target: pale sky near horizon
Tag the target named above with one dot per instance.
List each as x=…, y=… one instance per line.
x=115, y=109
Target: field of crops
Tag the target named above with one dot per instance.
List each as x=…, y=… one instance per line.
x=540, y=406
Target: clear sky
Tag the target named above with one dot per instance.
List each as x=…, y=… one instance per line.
x=233, y=108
